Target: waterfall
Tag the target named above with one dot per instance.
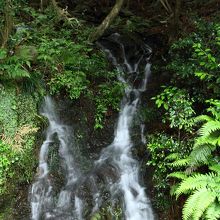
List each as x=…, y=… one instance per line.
x=43, y=203
x=115, y=175
x=137, y=205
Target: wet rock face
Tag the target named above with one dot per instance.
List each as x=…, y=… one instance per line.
x=129, y=54
x=134, y=48
x=78, y=115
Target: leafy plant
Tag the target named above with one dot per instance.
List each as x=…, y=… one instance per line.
x=178, y=105
x=209, y=134
x=74, y=83
x=7, y=158
x=13, y=67
x=203, y=188
x=162, y=148
x=109, y=96
x=208, y=66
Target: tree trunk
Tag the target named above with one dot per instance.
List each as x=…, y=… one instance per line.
x=8, y=24
x=175, y=25
x=177, y=14
x=107, y=21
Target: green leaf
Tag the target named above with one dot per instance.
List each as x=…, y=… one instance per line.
x=3, y=54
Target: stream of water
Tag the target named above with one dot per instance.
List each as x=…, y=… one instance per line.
x=115, y=175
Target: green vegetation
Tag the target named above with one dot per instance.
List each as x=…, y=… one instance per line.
x=202, y=187
x=193, y=158
x=45, y=49
x=38, y=53
x=18, y=127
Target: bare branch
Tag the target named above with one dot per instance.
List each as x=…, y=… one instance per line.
x=107, y=21
x=62, y=13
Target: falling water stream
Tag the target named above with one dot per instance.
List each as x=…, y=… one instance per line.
x=115, y=175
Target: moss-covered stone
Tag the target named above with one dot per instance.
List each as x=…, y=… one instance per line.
x=19, y=122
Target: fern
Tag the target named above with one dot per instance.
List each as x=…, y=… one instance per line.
x=201, y=154
x=18, y=73
x=181, y=162
x=202, y=118
x=189, y=207
x=204, y=189
x=178, y=175
x=173, y=156
x=205, y=199
x=215, y=167
x=209, y=127
x=196, y=181
x=213, y=211
x=209, y=138
x=197, y=203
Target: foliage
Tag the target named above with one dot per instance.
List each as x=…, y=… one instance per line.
x=195, y=65
x=178, y=105
x=204, y=194
x=7, y=159
x=68, y=66
x=203, y=188
x=17, y=137
x=195, y=61
x=109, y=96
x=13, y=67
x=209, y=64
x=74, y=83
x=209, y=134
x=160, y=146
x=73, y=68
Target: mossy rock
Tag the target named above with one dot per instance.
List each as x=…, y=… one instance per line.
x=19, y=121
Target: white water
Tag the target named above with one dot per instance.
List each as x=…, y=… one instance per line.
x=42, y=200
x=67, y=204
x=137, y=205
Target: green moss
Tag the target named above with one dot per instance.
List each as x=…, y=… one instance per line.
x=19, y=122
x=8, y=116
x=6, y=214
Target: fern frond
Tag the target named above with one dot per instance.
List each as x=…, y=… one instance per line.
x=181, y=162
x=212, y=139
x=213, y=211
x=209, y=127
x=205, y=199
x=173, y=189
x=202, y=118
x=189, y=206
x=197, y=203
x=201, y=153
x=173, y=156
x=196, y=181
x=178, y=175
x=215, y=168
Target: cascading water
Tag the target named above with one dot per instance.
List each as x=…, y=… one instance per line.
x=43, y=204
x=136, y=203
x=115, y=175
